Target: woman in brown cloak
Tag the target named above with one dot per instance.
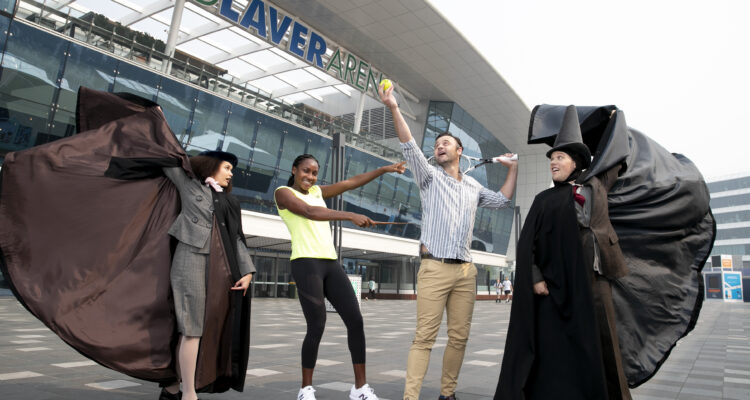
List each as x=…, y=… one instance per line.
x=85, y=245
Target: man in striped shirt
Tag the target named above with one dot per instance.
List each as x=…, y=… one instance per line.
x=447, y=277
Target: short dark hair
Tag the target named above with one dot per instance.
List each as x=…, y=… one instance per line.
x=454, y=138
x=205, y=166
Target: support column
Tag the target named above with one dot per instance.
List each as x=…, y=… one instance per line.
x=174, y=30
x=358, y=114
x=337, y=169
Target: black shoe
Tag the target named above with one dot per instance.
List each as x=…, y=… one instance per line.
x=451, y=397
x=165, y=395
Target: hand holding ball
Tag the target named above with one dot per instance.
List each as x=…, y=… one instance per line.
x=386, y=84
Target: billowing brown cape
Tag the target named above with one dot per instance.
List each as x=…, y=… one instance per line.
x=84, y=245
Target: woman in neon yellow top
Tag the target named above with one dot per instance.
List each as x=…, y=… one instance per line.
x=315, y=266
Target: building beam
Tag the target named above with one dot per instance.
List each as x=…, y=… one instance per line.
x=147, y=12
x=174, y=29
x=242, y=51
x=304, y=88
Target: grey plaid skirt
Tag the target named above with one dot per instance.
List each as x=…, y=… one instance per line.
x=188, y=277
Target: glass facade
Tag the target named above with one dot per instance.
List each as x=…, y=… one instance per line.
x=41, y=73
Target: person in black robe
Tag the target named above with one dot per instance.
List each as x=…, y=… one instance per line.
x=663, y=227
x=553, y=345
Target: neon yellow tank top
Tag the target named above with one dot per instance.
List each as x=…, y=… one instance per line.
x=310, y=239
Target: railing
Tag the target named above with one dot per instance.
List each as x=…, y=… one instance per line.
x=209, y=79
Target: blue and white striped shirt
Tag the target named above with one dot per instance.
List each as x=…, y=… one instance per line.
x=448, y=206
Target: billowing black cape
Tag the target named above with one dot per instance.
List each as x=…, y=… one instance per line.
x=85, y=248
x=659, y=207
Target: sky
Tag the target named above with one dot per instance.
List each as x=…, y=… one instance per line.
x=680, y=70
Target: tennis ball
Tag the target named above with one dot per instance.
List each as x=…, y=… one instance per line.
x=386, y=83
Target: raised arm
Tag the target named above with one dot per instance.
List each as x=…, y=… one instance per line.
x=387, y=97
x=286, y=200
x=360, y=180
x=509, y=187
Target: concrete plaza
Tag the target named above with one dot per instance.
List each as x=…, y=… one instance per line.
x=713, y=362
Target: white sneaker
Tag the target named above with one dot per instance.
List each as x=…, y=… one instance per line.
x=363, y=393
x=306, y=393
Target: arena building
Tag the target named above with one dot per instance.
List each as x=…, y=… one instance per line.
x=268, y=81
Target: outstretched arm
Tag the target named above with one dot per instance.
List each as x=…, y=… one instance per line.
x=399, y=123
x=361, y=179
x=286, y=200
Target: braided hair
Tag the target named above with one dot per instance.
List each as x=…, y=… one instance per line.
x=297, y=162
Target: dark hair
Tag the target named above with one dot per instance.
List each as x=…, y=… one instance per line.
x=579, y=163
x=449, y=134
x=297, y=161
x=205, y=166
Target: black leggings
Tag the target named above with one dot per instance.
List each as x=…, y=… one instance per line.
x=316, y=278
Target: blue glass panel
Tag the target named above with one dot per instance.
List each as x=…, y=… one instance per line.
x=4, y=23
x=31, y=64
x=138, y=81
x=177, y=101
x=209, y=121
x=7, y=6
x=295, y=143
x=320, y=147
x=241, y=130
x=22, y=124
x=84, y=67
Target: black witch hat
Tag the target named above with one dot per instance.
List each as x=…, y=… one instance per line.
x=569, y=139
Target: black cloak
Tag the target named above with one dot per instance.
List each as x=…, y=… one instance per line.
x=557, y=334
x=84, y=245
x=659, y=207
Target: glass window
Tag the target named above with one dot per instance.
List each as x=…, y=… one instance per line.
x=131, y=79
x=63, y=124
x=484, y=273
x=7, y=6
x=728, y=201
x=733, y=233
x=177, y=101
x=730, y=217
x=240, y=133
x=730, y=184
x=264, y=280
x=31, y=64
x=209, y=123
x=267, y=144
x=294, y=143
x=283, y=277
x=22, y=124
x=320, y=147
x=84, y=67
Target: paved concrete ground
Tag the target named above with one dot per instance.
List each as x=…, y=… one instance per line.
x=713, y=362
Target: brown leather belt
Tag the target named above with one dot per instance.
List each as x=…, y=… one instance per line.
x=442, y=260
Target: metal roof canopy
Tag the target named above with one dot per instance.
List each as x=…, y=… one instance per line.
x=203, y=32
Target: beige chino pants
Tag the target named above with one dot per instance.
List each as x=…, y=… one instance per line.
x=449, y=287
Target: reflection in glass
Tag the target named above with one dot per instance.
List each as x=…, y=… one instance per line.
x=209, y=123
x=22, y=124
x=177, y=101
x=31, y=64
x=84, y=67
x=137, y=81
